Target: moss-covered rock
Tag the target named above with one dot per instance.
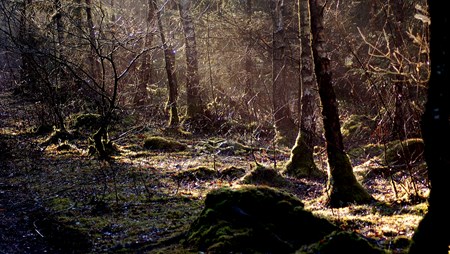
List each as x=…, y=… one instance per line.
x=88, y=121
x=403, y=152
x=357, y=128
x=163, y=144
x=229, y=147
x=198, y=173
x=224, y=147
x=341, y=242
x=254, y=220
x=65, y=147
x=365, y=152
x=62, y=233
x=264, y=175
x=58, y=136
x=43, y=129
x=232, y=173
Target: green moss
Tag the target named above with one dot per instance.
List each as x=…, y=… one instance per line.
x=64, y=147
x=60, y=203
x=402, y=152
x=264, y=175
x=357, y=126
x=89, y=121
x=366, y=151
x=63, y=233
x=163, y=144
x=301, y=163
x=341, y=242
x=198, y=173
x=252, y=220
x=343, y=189
x=43, y=129
x=232, y=173
x=57, y=137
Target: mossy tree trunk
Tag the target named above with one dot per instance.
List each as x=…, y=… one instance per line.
x=169, y=57
x=196, y=106
x=342, y=187
x=432, y=234
x=284, y=124
x=301, y=162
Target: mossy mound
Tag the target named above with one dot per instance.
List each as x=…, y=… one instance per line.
x=363, y=153
x=43, y=129
x=65, y=147
x=232, y=173
x=229, y=147
x=341, y=242
x=264, y=175
x=403, y=152
x=253, y=219
x=58, y=136
x=357, y=128
x=88, y=121
x=224, y=147
x=163, y=144
x=199, y=173
x=62, y=234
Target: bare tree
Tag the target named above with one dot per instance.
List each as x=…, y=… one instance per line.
x=196, y=107
x=301, y=162
x=169, y=56
x=284, y=124
x=342, y=186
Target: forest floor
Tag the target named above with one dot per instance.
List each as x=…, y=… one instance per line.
x=58, y=199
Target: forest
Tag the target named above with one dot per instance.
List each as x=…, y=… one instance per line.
x=224, y=126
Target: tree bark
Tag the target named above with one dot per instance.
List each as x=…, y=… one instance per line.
x=147, y=71
x=169, y=57
x=342, y=187
x=301, y=162
x=195, y=104
x=398, y=126
x=284, y=124
x=432, y=234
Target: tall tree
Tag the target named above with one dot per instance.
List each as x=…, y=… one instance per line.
x=284, y=124
x=301, y=162
x=249, y=93
x=147, y=70
x=432, y=234
x=196, y=107
x=342, y=186
x=398, y=125
x=169, y=57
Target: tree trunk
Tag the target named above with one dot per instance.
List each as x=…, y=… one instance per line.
x=27, y=75
x=342, y=187
x=398, y=126
x=169, y=57
x=146, y=71
x=432, y=234
x=92, y=41
x=301, y=162
x=196, y=107
x=249, y=93
x=284, y=124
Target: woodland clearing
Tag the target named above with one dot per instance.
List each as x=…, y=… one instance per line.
x=59, y=199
